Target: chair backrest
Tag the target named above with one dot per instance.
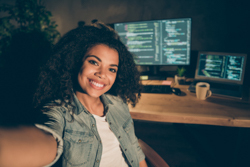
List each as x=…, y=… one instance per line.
x=153, y=158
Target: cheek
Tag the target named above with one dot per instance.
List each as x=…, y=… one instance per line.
x=113, y=78
x=79, y=79
x=81, y=76
x=84, y=71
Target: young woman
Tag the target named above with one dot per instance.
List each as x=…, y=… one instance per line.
x=83, y=92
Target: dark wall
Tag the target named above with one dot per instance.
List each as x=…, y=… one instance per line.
x=216, y=25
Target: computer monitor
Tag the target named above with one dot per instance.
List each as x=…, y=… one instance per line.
x=221, y=67
x=156, y=43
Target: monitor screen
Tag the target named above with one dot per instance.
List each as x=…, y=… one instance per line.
x=218, y=66
x=157, y=42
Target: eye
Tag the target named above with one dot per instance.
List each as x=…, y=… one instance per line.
x=113, y=70
x=93, y=62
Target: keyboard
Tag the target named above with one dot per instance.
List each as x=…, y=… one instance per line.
x=165, y=89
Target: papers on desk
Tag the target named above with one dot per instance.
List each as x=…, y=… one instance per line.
x=166, y=82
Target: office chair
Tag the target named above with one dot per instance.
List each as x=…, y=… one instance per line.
x=153, y=159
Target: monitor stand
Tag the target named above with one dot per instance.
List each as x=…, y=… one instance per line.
x=153, y=74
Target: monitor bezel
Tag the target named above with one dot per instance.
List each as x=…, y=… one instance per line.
x=190, y=39
x=198, y=77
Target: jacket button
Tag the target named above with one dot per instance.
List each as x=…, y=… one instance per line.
x=93, y=125
x=132, y=161
x=97, y=161
x=125, y=149
x=79, y=140
x=119, y=137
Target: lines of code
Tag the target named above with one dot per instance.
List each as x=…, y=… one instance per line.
x=159, y=42
x=221, y=66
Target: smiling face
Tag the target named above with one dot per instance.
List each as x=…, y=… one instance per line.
x=98, y=72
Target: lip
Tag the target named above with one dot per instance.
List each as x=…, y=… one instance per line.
x=96, y=85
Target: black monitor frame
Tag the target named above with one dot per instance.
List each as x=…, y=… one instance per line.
x=161, y=37
x=154, y=69
x=229, y=81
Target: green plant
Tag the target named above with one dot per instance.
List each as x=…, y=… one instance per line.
x=181, y=71
x=26, y=16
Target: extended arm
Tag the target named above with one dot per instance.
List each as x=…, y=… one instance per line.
x=143, y=163
x=26, y=146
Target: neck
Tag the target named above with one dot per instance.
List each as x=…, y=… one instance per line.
x=93, y=104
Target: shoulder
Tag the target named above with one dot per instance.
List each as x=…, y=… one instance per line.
x=117, y=105
x=114, y=100
x=57, y=109
x=55, y=105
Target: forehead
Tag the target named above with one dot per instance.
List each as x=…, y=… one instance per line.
x=101, y=47
x=104, y=52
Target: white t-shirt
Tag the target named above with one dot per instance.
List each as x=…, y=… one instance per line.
x=111, y=151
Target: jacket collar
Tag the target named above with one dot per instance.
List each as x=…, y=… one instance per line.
x=78, y=107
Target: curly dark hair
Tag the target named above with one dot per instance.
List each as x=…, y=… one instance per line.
x=58, y=77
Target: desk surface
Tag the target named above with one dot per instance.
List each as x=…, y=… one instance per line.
x=188, y=109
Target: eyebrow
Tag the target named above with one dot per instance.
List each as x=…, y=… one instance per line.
x=114, y=65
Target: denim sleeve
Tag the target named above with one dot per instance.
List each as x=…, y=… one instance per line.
x=140, y=154
x=54, y=124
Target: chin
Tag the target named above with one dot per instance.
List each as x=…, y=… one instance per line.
x=96, y=93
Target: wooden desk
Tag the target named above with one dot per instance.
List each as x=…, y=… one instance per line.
x=190, y=110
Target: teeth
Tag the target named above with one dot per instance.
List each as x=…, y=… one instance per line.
x=97, y=84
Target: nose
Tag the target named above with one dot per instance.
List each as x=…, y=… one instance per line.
x=101, y=73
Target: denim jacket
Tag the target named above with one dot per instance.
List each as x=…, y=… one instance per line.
x=78, y=140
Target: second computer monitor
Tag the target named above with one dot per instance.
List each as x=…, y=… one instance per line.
x=221, y=67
